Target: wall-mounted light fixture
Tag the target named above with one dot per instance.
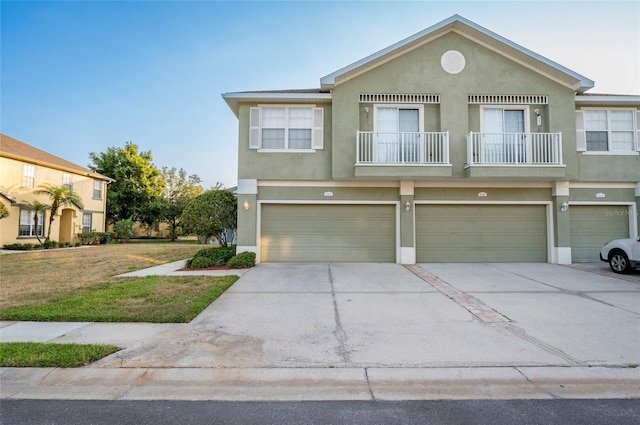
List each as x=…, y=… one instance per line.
x=407, y=206
x=538, y=118
x=246, y=204
x=564, y=207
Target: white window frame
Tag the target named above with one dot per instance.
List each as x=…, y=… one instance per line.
x=419, y=107
x=635, y=114
x=86, y=228
x=67, y=180
x=29, y=176
x=524, y=108
x=97, y=187
x=32, y=232
x=255, y=132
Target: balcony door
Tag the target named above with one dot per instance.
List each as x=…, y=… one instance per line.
x=398, y=134
x=504, y=139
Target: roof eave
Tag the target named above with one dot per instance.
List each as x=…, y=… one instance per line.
x=608, y=99
x=582, y=83
x=234, y=99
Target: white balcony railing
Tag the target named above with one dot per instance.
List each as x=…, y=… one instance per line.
x=402, y=148
x=514, y=148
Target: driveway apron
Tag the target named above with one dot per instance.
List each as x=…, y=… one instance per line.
x=385, y=315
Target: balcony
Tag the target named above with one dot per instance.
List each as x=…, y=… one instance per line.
x=514, y=155
x=406, y=154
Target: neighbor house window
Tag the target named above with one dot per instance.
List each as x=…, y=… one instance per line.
x=609, y=130
x=67, y=181
x=286, y=128
x=27, y=226
x=97, y=189
x=29, y=176
x=86, y=222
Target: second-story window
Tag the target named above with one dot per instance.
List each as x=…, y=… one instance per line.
x=278, y=128
x=397, y=130
x=97, y=189
x=29, y=176
x=609, y=130
x=67, y=181
x=504, y=131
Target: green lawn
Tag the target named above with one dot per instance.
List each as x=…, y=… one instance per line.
x=38, y=354
x=155, y=299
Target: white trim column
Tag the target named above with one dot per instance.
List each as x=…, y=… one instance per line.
x=561, y=220
x=248, y=216
x=407, y=254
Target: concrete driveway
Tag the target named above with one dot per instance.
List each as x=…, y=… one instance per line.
x=367, y=332
x=390, y=316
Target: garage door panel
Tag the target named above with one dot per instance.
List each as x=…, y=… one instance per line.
x=328, y=233
x=592, y=226
x=481, y=233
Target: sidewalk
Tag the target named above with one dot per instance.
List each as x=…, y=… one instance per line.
x=363, y=332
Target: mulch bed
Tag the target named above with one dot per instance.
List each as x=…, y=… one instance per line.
x=185, y=269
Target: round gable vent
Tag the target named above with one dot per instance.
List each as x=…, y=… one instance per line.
x=453, y=62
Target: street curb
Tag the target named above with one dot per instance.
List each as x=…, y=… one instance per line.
x=281, y=384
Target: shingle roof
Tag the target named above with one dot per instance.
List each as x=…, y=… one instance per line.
x=13, y=148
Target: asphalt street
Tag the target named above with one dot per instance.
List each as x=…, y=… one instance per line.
x=476, y=412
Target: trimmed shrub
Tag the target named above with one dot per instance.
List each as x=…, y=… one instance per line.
x=91, y=238
x=19, y=246
x=242, y=260
x=211, y=257
x=123, y=230
x=50, y=244
x=200, y=263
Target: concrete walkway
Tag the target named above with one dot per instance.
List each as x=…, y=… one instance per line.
x=366, y=331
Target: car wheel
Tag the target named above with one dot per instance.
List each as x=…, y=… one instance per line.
x=619, y=262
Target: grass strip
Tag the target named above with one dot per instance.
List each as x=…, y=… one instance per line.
x=152, y=299
x=39, y=354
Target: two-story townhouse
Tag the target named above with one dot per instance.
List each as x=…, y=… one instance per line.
x=453, y=145
x=23, y=168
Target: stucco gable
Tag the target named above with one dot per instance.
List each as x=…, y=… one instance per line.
x=474, y=32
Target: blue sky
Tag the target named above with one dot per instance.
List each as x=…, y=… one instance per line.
x=80, y=77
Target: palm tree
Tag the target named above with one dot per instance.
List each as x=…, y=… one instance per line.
x=60, y=196
x=37, y=207
x=4, y=212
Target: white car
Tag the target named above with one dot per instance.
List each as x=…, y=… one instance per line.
x=623, y=255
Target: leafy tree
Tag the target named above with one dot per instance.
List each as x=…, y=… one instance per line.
x=137, y=180
x=210, y=214
x=179, y=190
x=151, y=214
x=60, y=197
x=4, y=212
x=123, y=230
x=38, y=207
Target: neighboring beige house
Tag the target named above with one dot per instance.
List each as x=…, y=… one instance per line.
x=453, y=145
x=158, y=230
x=22, y=169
